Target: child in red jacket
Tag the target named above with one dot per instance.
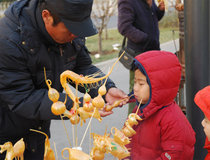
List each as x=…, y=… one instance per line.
x=202, y=99
x=164, y=133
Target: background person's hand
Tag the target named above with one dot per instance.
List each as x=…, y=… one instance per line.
x=115, y=94
x=161, y=6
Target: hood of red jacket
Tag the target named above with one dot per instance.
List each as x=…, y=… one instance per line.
x=163, y=72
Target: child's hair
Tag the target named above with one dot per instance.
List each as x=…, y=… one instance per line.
x=202, y=100
x=138, y=66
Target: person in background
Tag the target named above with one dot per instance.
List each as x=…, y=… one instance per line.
x=38, y=34
x=164, y=133
x=138, y=22
x=202, y=100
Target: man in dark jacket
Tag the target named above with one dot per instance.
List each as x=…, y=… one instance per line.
x=138, y=22
x=35, y=34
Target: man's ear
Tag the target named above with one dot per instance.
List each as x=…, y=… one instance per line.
x=47, y=18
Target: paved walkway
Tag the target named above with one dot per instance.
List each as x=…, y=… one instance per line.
x=171, y=46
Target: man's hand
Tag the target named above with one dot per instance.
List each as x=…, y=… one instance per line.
x=104, y=113
x=115, y=94
x=161, y=6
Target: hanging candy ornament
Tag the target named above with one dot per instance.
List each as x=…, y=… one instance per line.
x=75, y=119
x=58, y=108
x=98, y=102
x=53, y=94
x=102, y=89
x=87, y=104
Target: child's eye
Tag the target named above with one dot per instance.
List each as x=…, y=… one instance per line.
x=206, y=121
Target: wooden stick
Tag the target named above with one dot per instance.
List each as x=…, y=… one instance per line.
x=87, y=128
x=90, y=144
x=73, y=134
x=138, y=107
x=66, y=131
x=56, y=154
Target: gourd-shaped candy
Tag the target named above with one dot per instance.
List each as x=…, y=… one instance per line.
x=58, y=108
x=98, y=101
x=75, y=119
x=53, y=94
x=87, y=104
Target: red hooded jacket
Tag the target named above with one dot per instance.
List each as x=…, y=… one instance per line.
x=164, y=133
x=207, y=146
x=201, y=99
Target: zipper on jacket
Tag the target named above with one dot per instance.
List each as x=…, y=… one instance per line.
x=61, y=50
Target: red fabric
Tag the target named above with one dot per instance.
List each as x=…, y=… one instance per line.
x=207, y=146
x=202, y=99
x=165, y=133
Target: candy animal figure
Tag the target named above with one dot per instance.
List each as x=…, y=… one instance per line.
x=96, y=154
x=129, y=123
x=118, y=151
x=15, y=151
x=48, y=152
x=97, y=102
x=75, y=154
x=119, y=137
x=100, y=146
x=105, y=144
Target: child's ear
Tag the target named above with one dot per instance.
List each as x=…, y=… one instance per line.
x=47, y=18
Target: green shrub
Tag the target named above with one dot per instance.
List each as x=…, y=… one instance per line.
x=170, y=19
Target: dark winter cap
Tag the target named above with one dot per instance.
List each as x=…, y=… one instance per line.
x=75, y=14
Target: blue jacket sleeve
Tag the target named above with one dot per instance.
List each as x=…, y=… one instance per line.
x=159, y=13
x=126, y=18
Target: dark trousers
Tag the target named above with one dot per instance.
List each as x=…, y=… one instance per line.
x=131, y=105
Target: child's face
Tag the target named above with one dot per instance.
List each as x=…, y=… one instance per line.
x=141, y=88
x=206, y=127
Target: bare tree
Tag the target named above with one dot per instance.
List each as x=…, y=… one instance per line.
x=101, y=14
x=4, y=4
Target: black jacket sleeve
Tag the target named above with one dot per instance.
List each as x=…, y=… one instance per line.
x=17, y=90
